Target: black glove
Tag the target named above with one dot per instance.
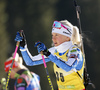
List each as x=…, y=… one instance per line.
x=46, y=53
x=23, y=42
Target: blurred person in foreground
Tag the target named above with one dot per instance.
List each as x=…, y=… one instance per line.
x=2, y=83
x=66, y=55
x=24, y=79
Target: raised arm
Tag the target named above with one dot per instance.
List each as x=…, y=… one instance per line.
x=31, y=60
x=75, y=58
x=28, y=58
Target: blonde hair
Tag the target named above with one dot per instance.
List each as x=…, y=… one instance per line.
x=76, y=37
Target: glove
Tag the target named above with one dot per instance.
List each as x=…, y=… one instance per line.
x=21, y=38
x=42, y=48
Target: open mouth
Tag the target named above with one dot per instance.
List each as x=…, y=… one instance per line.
x=55, y=43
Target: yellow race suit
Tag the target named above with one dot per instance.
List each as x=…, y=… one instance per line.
x=71, y=80
x=68, y=65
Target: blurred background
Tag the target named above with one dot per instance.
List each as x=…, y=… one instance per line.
x=36, y=17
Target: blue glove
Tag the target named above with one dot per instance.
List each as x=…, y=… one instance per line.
x=18, y=37
x=21, y=38
x=41, y=47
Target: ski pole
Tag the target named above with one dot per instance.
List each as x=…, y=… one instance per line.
x=17, y=45
x=48, y=76
x=8, y=77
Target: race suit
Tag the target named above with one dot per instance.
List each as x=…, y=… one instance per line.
x=27, y=81
x=68, y=66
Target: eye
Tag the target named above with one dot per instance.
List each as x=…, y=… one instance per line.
x=56, y=34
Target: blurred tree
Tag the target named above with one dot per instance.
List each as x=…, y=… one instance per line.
x=4, y=37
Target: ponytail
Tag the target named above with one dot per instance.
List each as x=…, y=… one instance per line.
x=76, y=37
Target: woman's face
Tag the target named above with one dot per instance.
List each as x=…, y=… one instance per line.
x=59, y=39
